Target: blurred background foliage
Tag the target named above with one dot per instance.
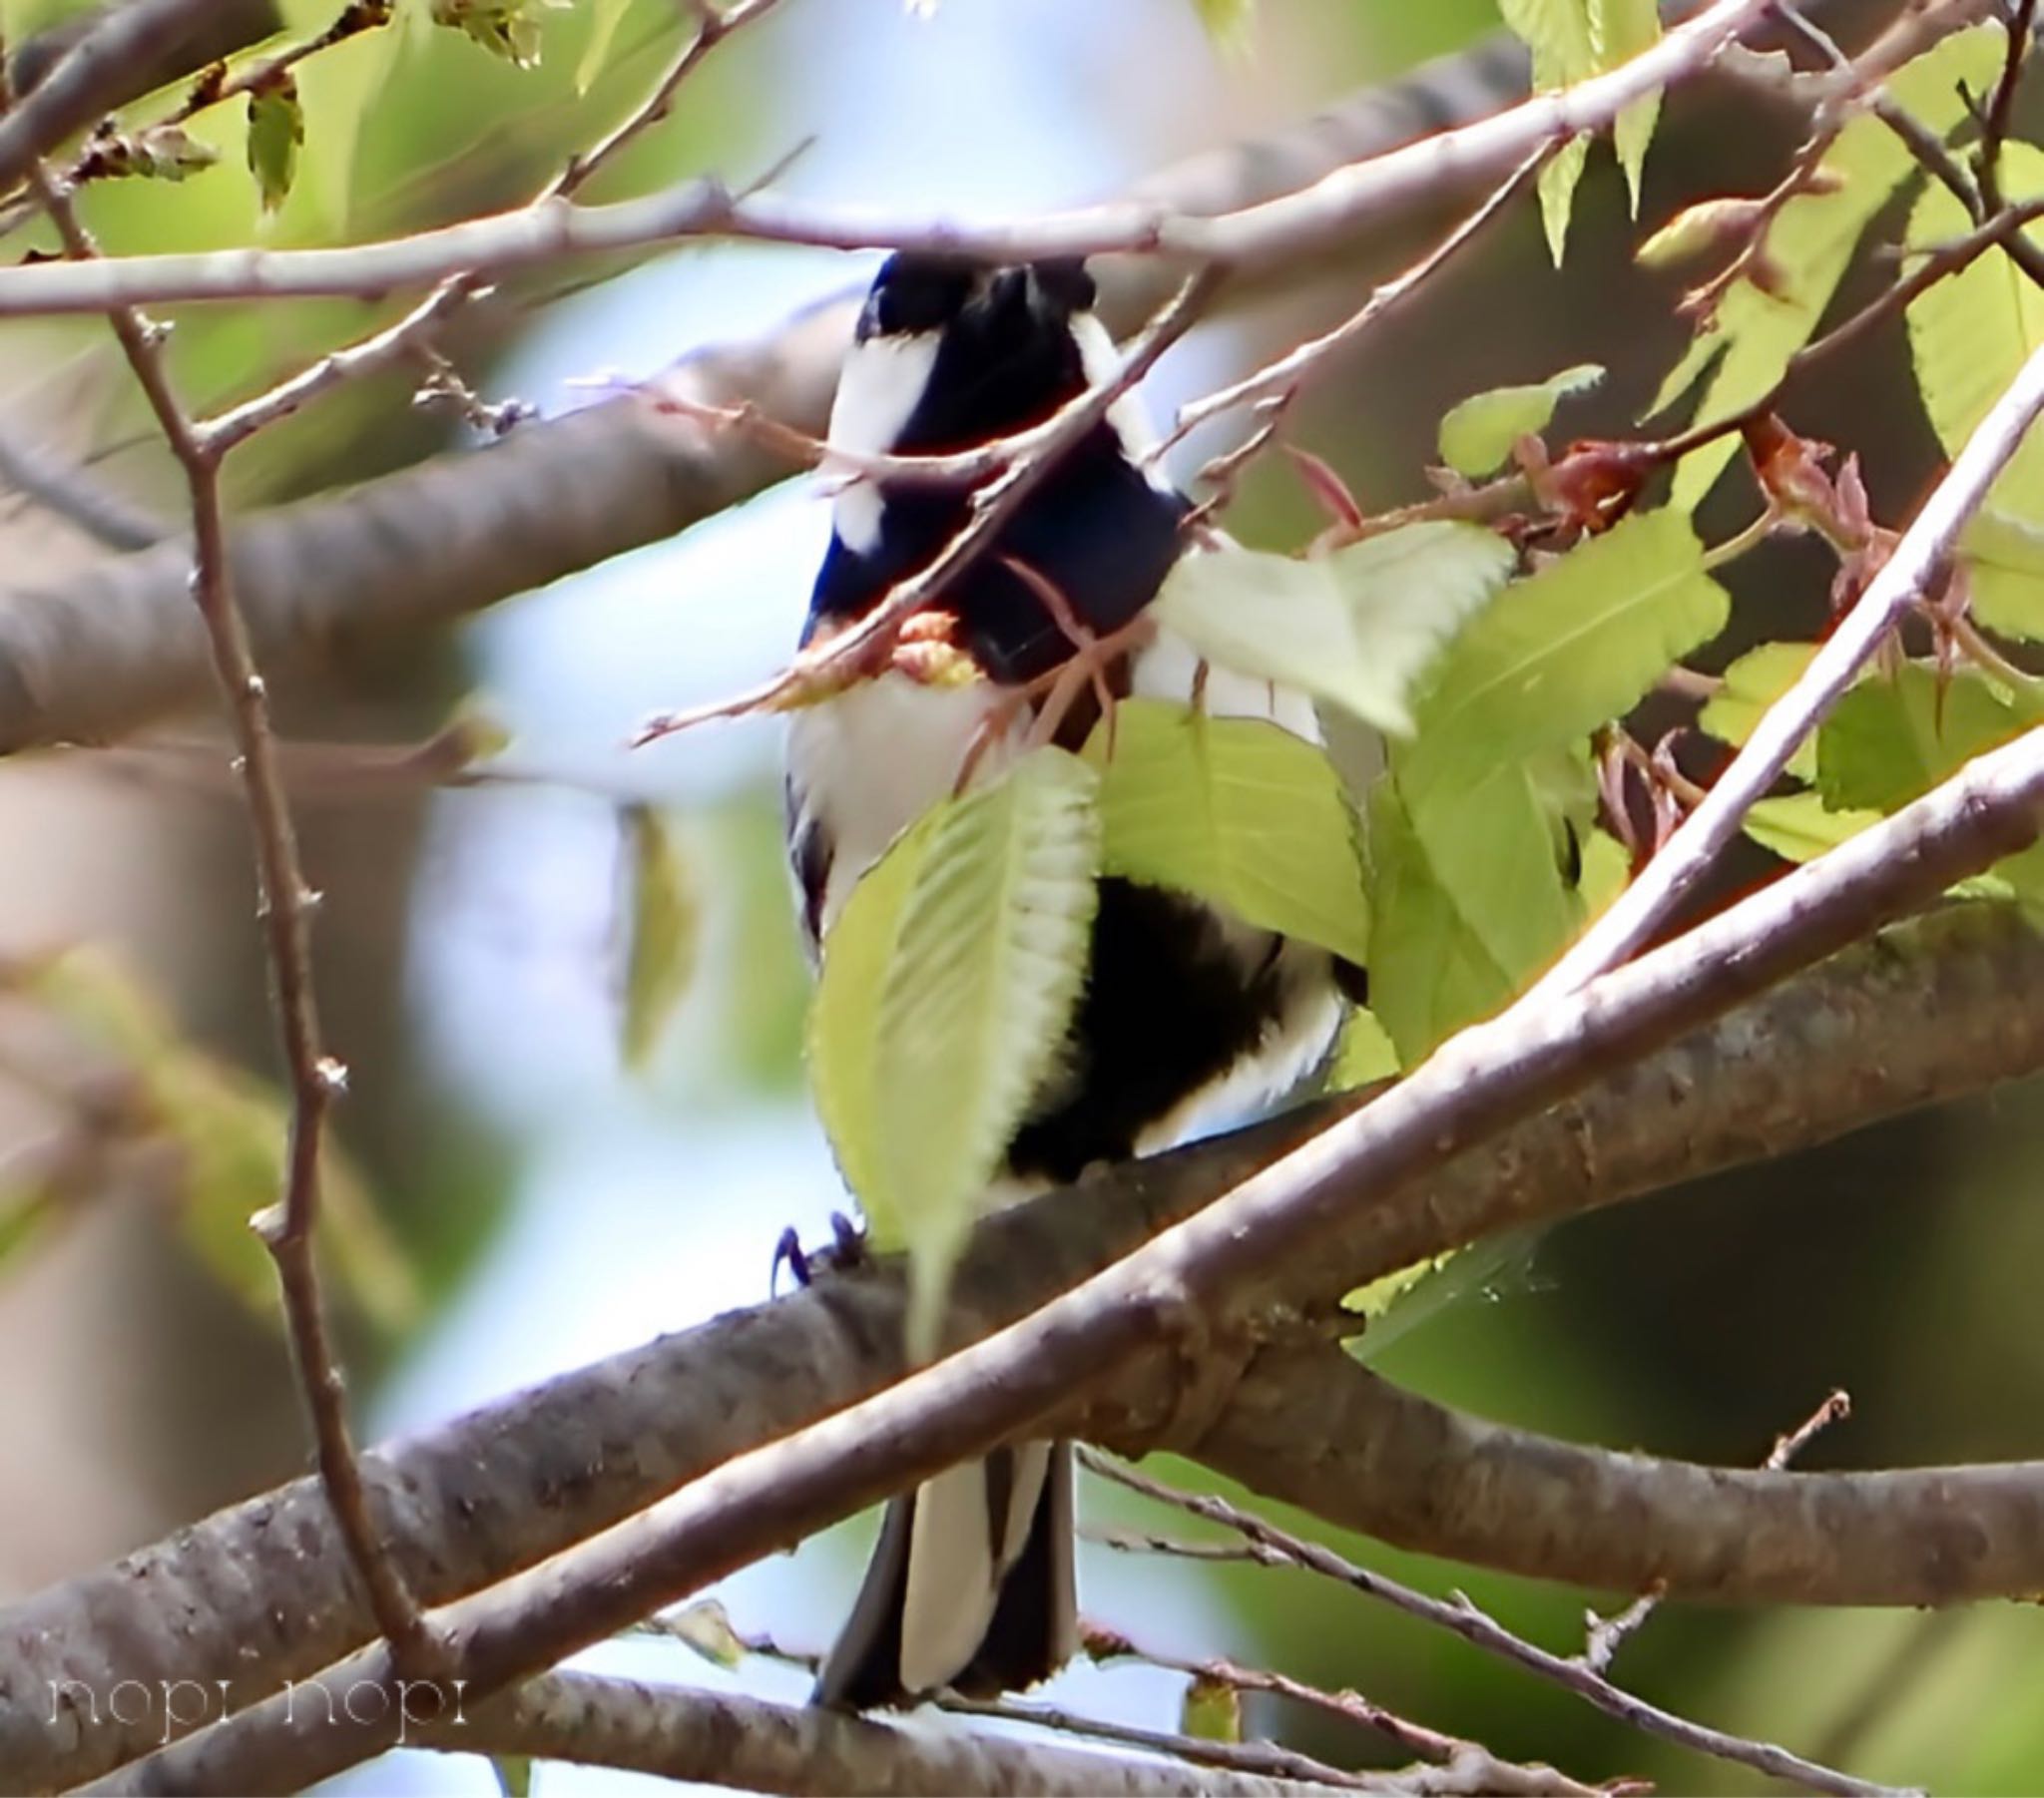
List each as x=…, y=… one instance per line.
x=549, y=1195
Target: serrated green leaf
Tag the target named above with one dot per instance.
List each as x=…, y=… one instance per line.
x=1889, y=740
x=1478, y=434
x=1557, y=188
x=277, y=132
x=1356, y=626
x=1366, y=1053
x=605, y=16
x=1466, y=903
x=1236, y=810
x=948, y=983
x=1970, y=332
x=2005, y=562
x=1748, y=343
x=1752, y=685
x=1567, y=650
x=664, y=920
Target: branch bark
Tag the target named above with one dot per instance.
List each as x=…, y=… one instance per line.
x=259, y=1594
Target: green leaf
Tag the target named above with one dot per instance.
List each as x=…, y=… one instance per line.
x=277, y=132
x=605, y=16
x=1888, y=741
x=505, y=28
x=1467, y=902
x=1211, y=1711
x=1970, y=332
x=1393, y=1305
x=1479, y=434
x=1355, y=626
x=514, y=1774
x=1571, y=649
x=2005, y=562
x=1236, y=810
x=663, y=923
x=705, y=1627
x=1798, y=828
x=948, y=984
x=1619, y=31
x=1752, y=685
x=341, y=86
x=1557, y=188
x=1809, y=246
x=1366, y=1053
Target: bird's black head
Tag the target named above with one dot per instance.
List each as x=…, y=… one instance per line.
x=952, y=352
x=994, y=346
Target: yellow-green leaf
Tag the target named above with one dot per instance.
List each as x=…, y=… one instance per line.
x=1890, y=740
x=705, y=1627
x=1798, y=828
x=1211, y=1711
x=1479, y=433
x=1748, y=345
x=1559, y=655
x=1235, y=810
x=948, y=984
x=277, y=132
x=1356, y=626
x=1228, y=23
x=1970, y=332
x=1752, y=685
x=1619, y=31
x=2005, y=562
x=1366, y=1053
x=602, y=30
x=663, y=928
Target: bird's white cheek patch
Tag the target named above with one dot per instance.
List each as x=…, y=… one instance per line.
x=877, y=393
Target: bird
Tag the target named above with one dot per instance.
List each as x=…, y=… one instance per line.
x=1188, y=1011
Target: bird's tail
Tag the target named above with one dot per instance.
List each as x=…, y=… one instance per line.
x=970, y=1586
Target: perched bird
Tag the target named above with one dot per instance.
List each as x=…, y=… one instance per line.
x=1185, y=1009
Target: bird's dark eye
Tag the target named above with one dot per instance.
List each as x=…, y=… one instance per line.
x=914, y=292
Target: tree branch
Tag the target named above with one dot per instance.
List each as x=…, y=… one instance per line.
x=1935, y=1010
x=1286, y=229
x=1188, y=1295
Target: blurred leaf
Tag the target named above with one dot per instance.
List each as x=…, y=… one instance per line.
x=1211, y=1710
x=948, y=985
x=705, y=1627
x=1366, y=1053
x=1355, y=626
x=1724, y=223
x=514, y=1774
x=1229, y=23
x=1392, y=1307
x=1970, y=332
x=276, y=130
x=2005, y=562
x=229, y=1131
x=1807, y=249
x=1889, y=740
x=1480, y=433
x=341, y=85
x=505, y=28
x=1571, y=649
x=1752, y=685
x=1236, y=810
x=605, y=16
x=665, y=922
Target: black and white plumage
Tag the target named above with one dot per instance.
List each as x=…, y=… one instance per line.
x=1186, y=1009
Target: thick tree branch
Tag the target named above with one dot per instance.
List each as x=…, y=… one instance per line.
x=1286, y=229
x=1186, y=1294
x=714, y=1738
x=1309, y=1426
x=1931, y=1010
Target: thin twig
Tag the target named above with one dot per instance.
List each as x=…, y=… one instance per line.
x=403, y=338
x=286, y=904
x=1902, y=580
x=1263, y=1759
x=1462, y=1617
x=1607, y=1634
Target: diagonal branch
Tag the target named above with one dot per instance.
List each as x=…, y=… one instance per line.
x=1937, y=1008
